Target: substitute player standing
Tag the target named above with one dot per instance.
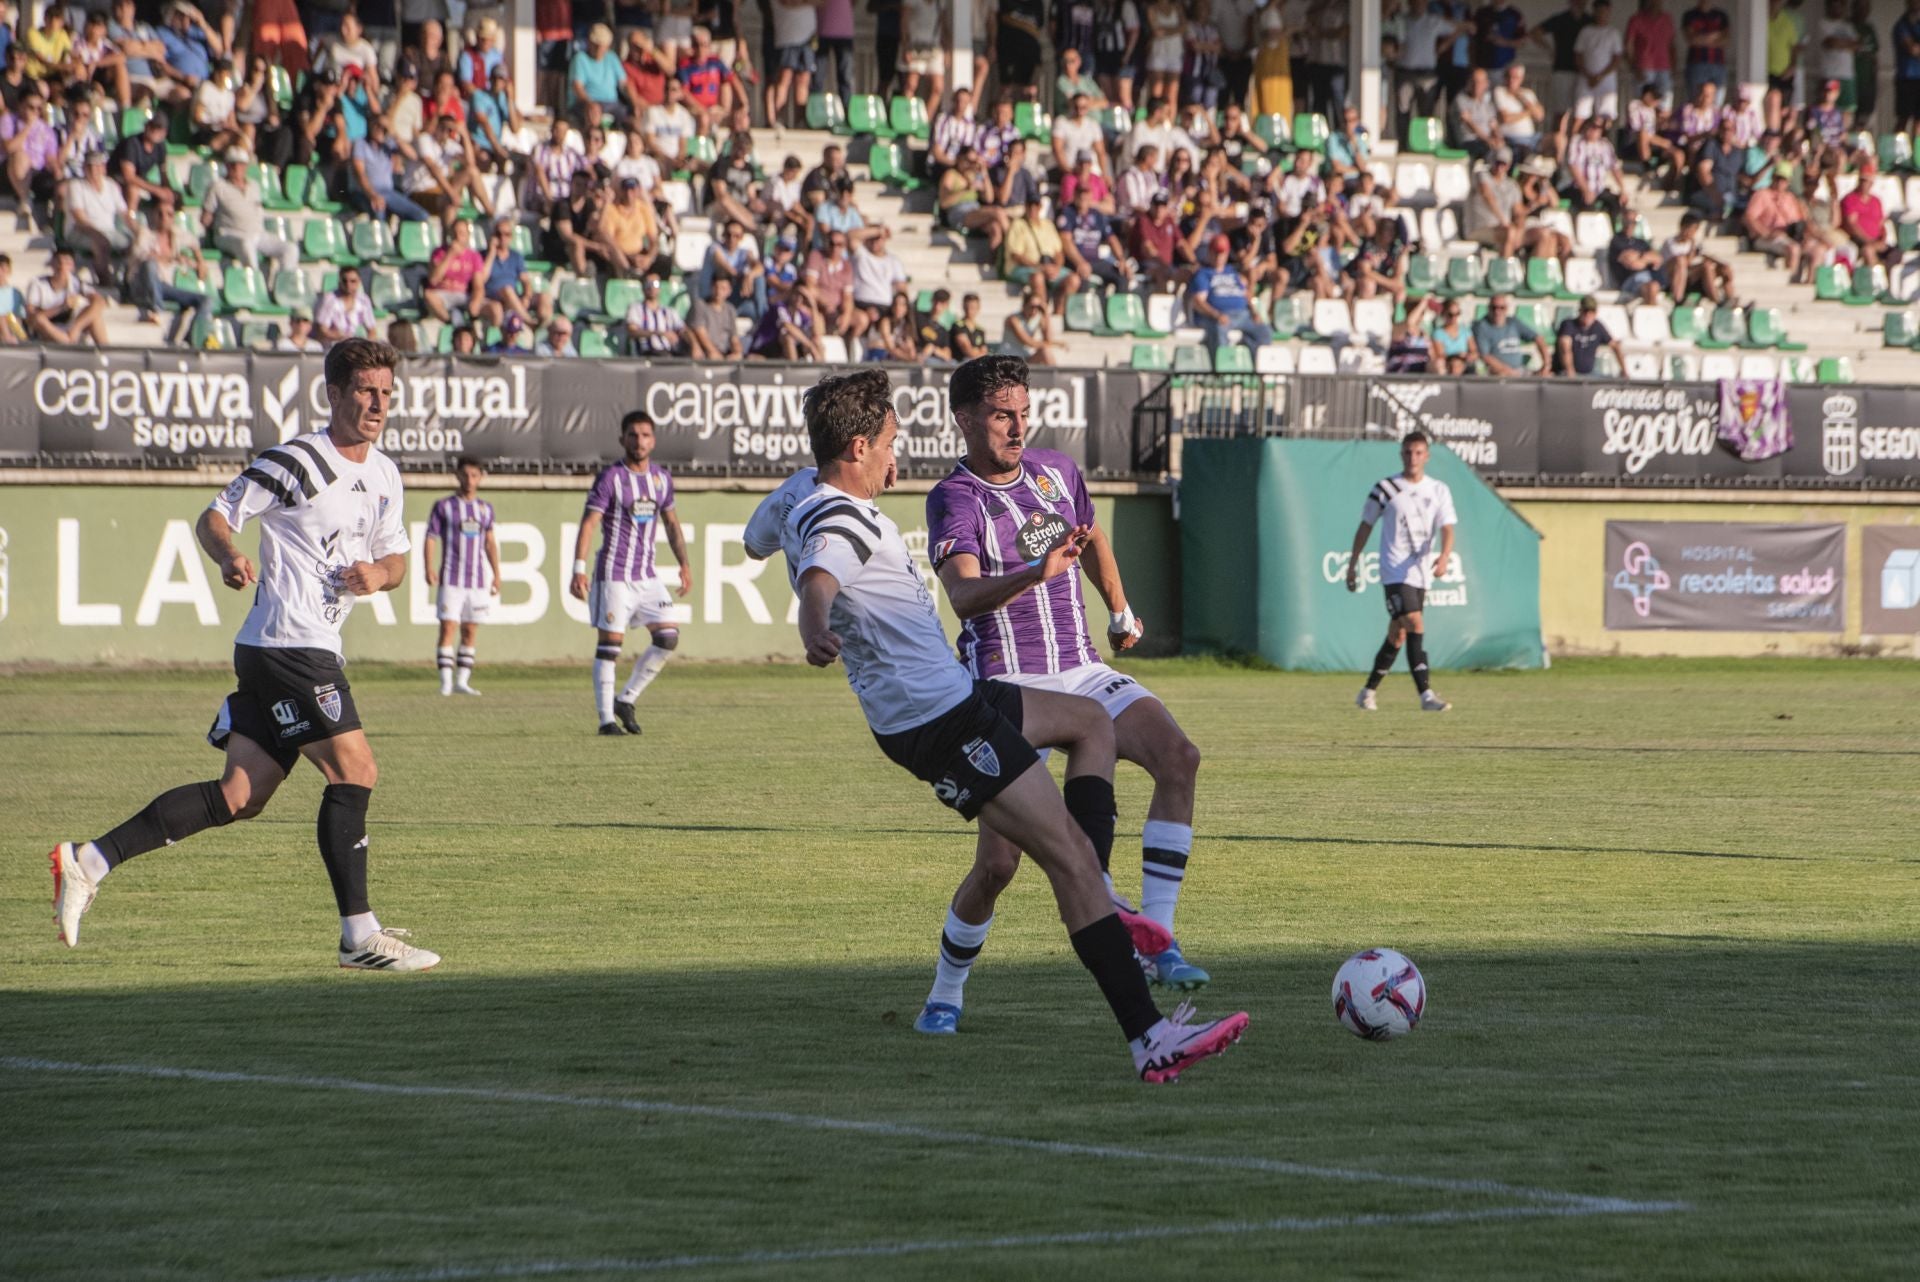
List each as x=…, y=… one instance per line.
x=1416, y=508
x=862, y=600
x=467, y=575
x=1026, y=629
x=331, y=532
x=634, y=497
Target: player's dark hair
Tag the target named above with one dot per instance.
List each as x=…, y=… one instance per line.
x=351, y=355
x=633, y=417
x=466, y=461
x=1416, y=435
x=982, y=376
x=839, y=409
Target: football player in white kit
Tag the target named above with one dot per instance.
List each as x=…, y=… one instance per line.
x=466, y=573
x=331, y=531
x=1412, y=509
x=863, y=602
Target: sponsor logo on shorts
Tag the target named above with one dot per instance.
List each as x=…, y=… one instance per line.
x=287, y=713
x=329, y=699
x=1118, y=683
x=982, y=757
x=951, y=793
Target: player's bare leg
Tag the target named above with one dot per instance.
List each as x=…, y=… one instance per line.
x=665, y=640
x=443, y=655
x=346, y=762
x=463, y=661
x=241, y=792
x=1146, y=734
x=606, y=662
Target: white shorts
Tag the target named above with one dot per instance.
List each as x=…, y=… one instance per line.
x=1114, y=691
x=1602, y=99
x=677, y=30
x=924, y=62
x=463, y=605
x=621, y=607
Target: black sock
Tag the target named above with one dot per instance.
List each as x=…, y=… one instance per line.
x=1106, y=949
x=170, y=817
x=1382, y=664
x=343, y=844
x=1417, y=660
x=1090, y=802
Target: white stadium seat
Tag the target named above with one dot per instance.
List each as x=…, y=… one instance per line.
x=1592, y=233
x=1844, y=183
x=1162, y=312
x=1715, y=366
x=1558, y=220
x=1331, y=319
x=1450, y=184
x=1684, y=367
x=833, y=349
x=1643, y=367
x=1373, y=319
x=1615, y=318
x=690, y=250
x=1274, y=358
x=679, y=197
x=1758, y=365
x=1318, y=360
x=1414, y=182
x=1891, y=193
x=1583, y=276
x=1651, y=326
x=1913, y=193
x=1409, y=223
x=1382, y=171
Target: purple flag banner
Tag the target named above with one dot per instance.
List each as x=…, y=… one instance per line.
x=1754, y=423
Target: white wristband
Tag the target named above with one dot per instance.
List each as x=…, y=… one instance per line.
x=579, y=567
x=1123, y=623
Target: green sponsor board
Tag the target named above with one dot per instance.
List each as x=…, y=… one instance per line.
x=1265, y=527
x=111, y=574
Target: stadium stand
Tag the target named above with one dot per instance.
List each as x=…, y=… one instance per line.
x=362, y=183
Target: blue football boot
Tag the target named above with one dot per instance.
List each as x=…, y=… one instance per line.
x=941, y=1020
x=1170, y=969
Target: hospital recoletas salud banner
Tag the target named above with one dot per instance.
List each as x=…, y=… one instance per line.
x=1710, y=576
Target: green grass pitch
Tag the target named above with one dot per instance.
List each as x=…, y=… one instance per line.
x=1666, y=911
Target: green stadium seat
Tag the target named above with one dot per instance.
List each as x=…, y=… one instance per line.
x=258, y=333
x=702, y=149
x=578, y=298
x=133, y=120
x=1425, y=274
x=1087, y=315
x=1152, y=358
x=1725, y=328
x=1835, y=369
x=325, y=241
x=390, y=292
x=675, y=295
x=866, y=114
x=1686, y=324
x=886, y=164
x=1505, y=276
x=1116, y=121
x=193, y=188
x=295, y=289
x=1191, y=358
x=619, y=295
x=825, y=112
x=908, y=116
x=245, y=290
x=1831, y=283
x=280, y=85
x=372, y=241
x=1426, y=136
x=521, y=238
x=272, y=182
x=1289, y=315
x=1310, y=132
x=418, y=241
x=319, y=201
x=1544, y=279
x=1907, y=235
x=1896, y=152
x=1765, y=329
x=1233, y=360
x=1897, y=329
x=294, y=181
x=1033, y=122
x=1127, y=314
x=1463, y=277
x=591, y=341
x=214, y=332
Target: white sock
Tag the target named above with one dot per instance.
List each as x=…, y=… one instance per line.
x=645, y=669
x=443, y=659
x=358, y=928
x=1164, y=848
x=603, y=674
x=463, y=671
x=91, y=861
x=959, y=944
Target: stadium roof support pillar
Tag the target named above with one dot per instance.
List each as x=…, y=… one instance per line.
x=960, y=55
x=1363, y=43
x=521, y=54
x=1749, y=57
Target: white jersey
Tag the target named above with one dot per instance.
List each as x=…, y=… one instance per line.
x=319, y=513
x=768, y=524
x=1414, y=513
x=896, y=653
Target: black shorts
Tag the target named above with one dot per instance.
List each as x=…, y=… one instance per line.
x=969, y=753
x=287, y=697
x=1402, y=599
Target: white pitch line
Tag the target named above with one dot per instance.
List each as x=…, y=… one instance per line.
x=890, y=1130
x=883, y=1250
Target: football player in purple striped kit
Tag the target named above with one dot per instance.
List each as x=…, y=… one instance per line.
x=466, y=572
x=990, y=525
x=634, y=500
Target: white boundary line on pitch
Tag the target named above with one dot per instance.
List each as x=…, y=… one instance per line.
x=1585, y=1203
x=938, y=1246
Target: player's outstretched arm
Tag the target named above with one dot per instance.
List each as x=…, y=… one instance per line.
x=973, y=593
x=1353, y=557
x=216, y=540
x=818, y=588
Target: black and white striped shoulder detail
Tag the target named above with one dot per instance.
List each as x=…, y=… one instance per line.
x=814, y=518
x=853, y=538
x=1387, y=490
x=292, y=472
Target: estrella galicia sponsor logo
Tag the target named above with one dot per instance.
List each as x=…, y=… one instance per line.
x=1042, y=533
x=1840, y=433
x=328, y=697
x=982, y=757
x=1640, y=576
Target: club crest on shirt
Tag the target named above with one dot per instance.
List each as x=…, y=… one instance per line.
x=329, y=700
x=982, y=757
x=1044, y=486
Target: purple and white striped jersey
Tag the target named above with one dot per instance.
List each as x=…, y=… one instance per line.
x=461, y=525
x=630, y=503
x=1045, y=628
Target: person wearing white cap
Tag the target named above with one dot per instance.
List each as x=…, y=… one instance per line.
x=233, y=210
x=97, y=215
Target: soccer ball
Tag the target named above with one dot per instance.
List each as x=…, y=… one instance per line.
x=1379, y=994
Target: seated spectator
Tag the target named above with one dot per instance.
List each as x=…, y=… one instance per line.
x=214, y=125
x=100, y=62
x=654, y=329
x=783, y=268
x=1496, y=216
x=786, y=332
x=298, y=336
x=1364, y=206
x=597, y=77
x=454, y=278
x=878, y=274
x=996, y=139
x=373, y=190
x=1084, y=177
x=232, y=209
x=1749, y=119
x=33, y=153
x=1028, y=333
x=733, y=192
x=1307, y=257
x=1139, y=184
x=1092, y=247
x=1699, y=118
x=1689, y=268
x=629, y=231
x=551, y=171
x=712, y=324
x=839, y=214
x=953, y=130
x=447, y=100
x=1349, y=148
x=1166, y=257
x=1297, y=190
x=829, y=278
x=1716, y=175
x=344, y=312
x=188, y=46
x=735, y=258
x=1502, y=339
x=962, y=200
x=1476, y=123
x=402, y=337
x=1018, y=180
x=1035, y=253
x=1409, y=349
x=967, y=337
x=1454, y=351
x=1078, y=133
x=1648, y=124
x=575, y=232
x=933, y=329
x=712, y=90
x=466, y=341
x=1237, y=136
x=782, y=195
x=1775, y=222
x=97, y=217
x=140, y=46
x=669, y=126
x=13, y=307
x=512, y=330
x=1580, y=338
x=1380, y=265
x=1864, y=219
x=1220, y=302
x=1636, y=265
x=474, y=67
x=893, y=336
x=816, y=189
x=1160, y=132
x=444, y=170
x=1827, y=119
x=49, y=48
x=557, y=340
x=1594, y=166
x=501, y=131
x=509, y=290
x=154, y=259
x=1517, y=109
x=1074, y=82
x=350, y=48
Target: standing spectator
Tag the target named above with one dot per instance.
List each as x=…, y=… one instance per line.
x=795, y=23
x=1220, y=302
x=1561, y=33
x=1020, y=31
x=1775, y=221
x=886, y=40
x=1519, y=111
x=1580, y=338
x=955, y=129
x=189, y=46
x=1636, y=265
x=454, y=276
x=712, y=324
x=1501, y=32
x=1457, y=60
x=1034, y=253
x=836, y=46
x=968, y=338
x=97, y=217
x=1201, y=81
x=597, y=78
x=1866, y=64
x=1783, y=61
x=652, y=328
x=1166, y=48
x=154, y=258
x=712, y=90
x=373, y=190
x=1598, y=182
x=1837, y=41
x=233, y=211
x=1650, y=41
x=1906, y=68
x=1502, y=339
x=1689, y=268
x=1475, y=121
x=923, y=60
x=553, y=50
x=1708, y=32
x=1273, y=65
x=1238, y=43
x=1864, y=219
x=345, y=311
x=1599, y=52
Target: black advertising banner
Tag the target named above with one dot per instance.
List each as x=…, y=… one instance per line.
x=1497, y=433
x=174, y=405
x=19, y=420
x=1890, y=580
x=1712, y=576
